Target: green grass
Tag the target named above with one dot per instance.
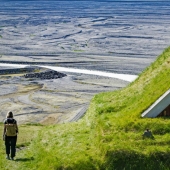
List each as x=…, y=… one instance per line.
x=109, y=136
x=27, y=134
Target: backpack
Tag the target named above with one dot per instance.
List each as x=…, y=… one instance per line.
x=11, y=128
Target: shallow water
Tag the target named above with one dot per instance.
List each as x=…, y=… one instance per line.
x=122, y=37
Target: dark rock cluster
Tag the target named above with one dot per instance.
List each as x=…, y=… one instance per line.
x=45, y=75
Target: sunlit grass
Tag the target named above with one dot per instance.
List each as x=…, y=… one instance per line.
x=27, y=134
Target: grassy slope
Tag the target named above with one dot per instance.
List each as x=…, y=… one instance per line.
x=109, y=136
x=27, y=133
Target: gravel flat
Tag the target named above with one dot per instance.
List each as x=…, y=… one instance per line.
x=51, y=101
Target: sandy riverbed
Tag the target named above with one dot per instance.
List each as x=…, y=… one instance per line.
x=51, y=101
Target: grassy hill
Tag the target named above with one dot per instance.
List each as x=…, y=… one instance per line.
x=109, y=136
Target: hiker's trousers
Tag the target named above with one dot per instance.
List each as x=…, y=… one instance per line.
x=10, y=143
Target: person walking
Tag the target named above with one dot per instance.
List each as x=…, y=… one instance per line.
x=10, y=135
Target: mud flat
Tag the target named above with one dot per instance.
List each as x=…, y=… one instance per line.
x=51, y=101
x=119, y=36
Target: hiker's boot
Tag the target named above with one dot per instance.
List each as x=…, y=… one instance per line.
x=7, y=157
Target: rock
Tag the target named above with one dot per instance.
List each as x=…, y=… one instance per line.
x=45, y=75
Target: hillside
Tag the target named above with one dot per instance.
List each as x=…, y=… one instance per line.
x=109, y=136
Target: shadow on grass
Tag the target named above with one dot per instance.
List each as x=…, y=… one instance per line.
x=24, y=159
x=131, y=160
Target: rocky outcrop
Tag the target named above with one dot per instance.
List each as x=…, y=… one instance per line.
x=45, y=75
x=34, y=72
